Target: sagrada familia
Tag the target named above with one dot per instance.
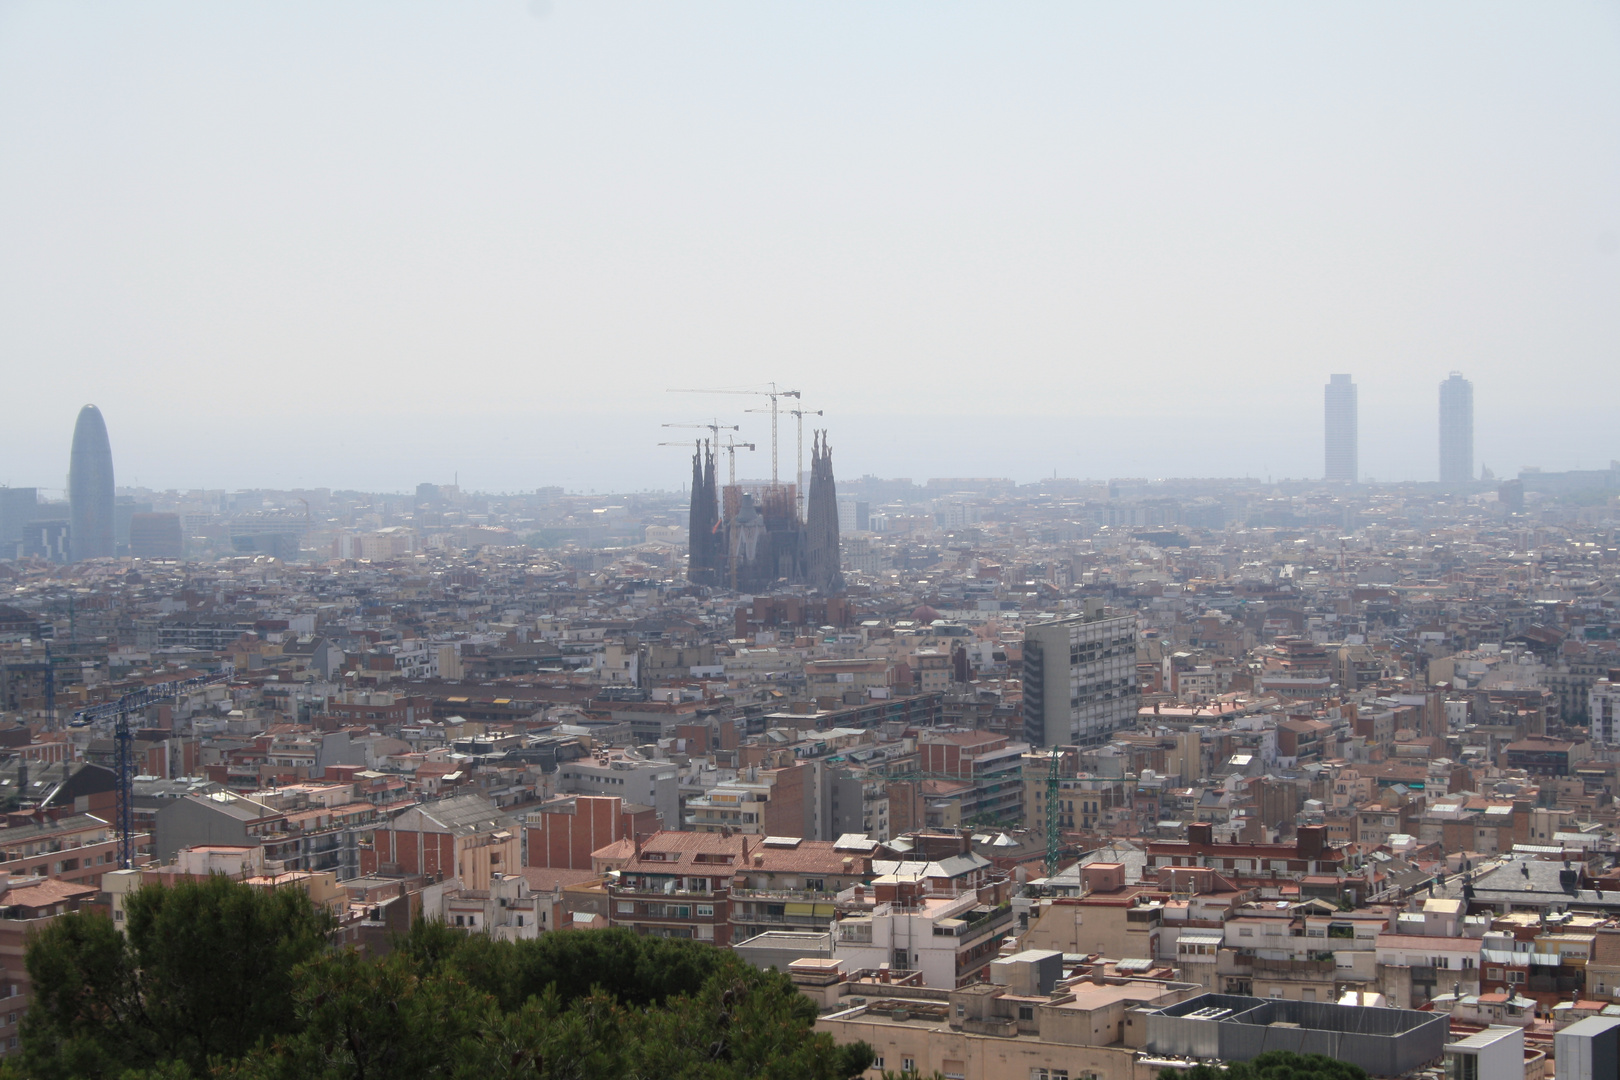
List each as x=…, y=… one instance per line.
x=751, y=538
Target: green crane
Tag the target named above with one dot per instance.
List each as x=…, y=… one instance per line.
x=1052, y=836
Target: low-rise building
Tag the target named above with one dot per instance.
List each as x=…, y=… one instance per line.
x=1011, y=1028
x=507, y=911
x=77, y=849
x=678, y=885
x=950, y=938
x=27, y=905
x=791, y=884
x=463, y=837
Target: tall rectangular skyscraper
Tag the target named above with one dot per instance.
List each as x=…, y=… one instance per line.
x=1456, y=430
x=1079, y=678
x=1339, y=428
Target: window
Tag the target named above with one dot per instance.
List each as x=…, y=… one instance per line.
x=908, y=1064
x=627, y=907
x=1245, y=931
x=1042, y=1073
x=1462, y=1066
x=705, y=911
x=877, y=1062
x=1026, y=1012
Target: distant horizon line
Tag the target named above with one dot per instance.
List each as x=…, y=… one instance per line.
x=130, y=491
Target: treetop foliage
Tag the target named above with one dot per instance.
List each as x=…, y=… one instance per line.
x=216, y=979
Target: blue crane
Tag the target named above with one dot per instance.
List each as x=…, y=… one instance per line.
x=124, y=740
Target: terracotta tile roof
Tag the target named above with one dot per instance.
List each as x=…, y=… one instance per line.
x=547, y=878
x=47, y=893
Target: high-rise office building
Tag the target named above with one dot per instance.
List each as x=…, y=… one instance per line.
x=155, y=536
x=1079, y=678
x=18, y=508
x=1456, y=430
x=90, y=488
x=1339, y=429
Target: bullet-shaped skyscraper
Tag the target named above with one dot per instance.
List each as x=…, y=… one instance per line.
x=90, y=488
x=1339, y=428
x=1456, y=430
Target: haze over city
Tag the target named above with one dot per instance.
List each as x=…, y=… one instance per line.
x=360, y=247
x=825, y=541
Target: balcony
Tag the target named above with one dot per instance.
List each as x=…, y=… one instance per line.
x=783, y=894
x=1294, y=969
x=806, y=922
x=655, y=892
x=664, y=918
x=975, y=923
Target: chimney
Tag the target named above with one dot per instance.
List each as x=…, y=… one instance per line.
x=1200, y=832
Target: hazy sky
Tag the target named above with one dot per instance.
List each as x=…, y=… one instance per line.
x=372, y=244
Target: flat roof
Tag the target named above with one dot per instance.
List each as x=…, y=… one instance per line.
x=1088, y=995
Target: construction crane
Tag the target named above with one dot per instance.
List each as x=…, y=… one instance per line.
x=730, y=446
x=798, y=474
x=774, y=393
x=714, y=427
x=1053, y=835
x=124, y=740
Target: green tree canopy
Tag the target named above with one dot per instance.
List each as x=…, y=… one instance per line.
x=173, y=1002
x=206, y=970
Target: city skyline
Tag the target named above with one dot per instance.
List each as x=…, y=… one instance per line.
x=1340, y=435
x=645, y=468
x=482, y=214
x=1179, y=659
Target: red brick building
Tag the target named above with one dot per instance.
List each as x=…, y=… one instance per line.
x=562, y=833
x=463, y=837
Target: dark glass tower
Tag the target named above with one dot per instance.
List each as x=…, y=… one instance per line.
x=90, y=488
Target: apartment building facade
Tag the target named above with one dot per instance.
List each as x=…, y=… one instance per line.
x=1079, y=678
